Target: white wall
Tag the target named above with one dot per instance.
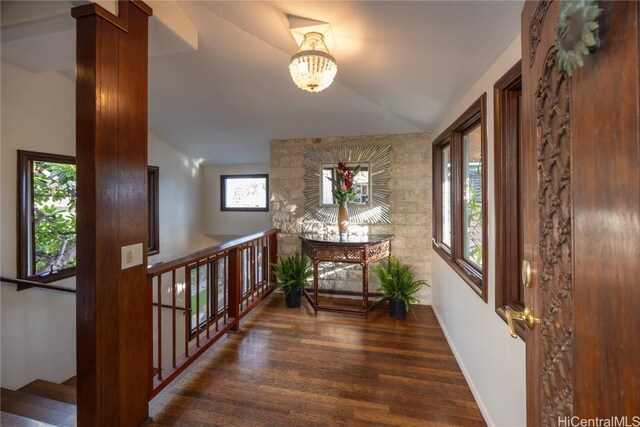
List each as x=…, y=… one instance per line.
x=492, y=361
x=223, y=223
x=180, y=205
x=38, y=326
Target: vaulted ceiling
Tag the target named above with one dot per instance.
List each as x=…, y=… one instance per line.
x=401, y=67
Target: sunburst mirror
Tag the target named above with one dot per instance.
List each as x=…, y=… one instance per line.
x=372, y=202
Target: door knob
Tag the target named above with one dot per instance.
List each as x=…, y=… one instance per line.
x=526, y=316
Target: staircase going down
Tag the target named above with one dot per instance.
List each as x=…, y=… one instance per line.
x=39, y=404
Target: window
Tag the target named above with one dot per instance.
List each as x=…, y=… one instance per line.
x=244, y=193
x=208, y=281
x=459, y=227
x=153, y=184
x=472, y=189
x=207, y=293
x=361, y=184
x=47, y=215
x=446, y=195
x=509, y=243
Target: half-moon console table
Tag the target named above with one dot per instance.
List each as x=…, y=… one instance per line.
x=362, y=250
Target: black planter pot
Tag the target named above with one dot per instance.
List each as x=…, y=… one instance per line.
x=397, y=309
x=292, y=299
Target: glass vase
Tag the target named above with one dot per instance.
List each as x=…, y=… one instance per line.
x=343, y=220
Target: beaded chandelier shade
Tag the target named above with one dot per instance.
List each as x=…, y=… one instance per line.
x=313, y=68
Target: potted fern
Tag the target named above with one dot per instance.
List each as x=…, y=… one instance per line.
x=292, y=273
x=397, y=281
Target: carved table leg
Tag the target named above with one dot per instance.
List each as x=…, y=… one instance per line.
x=315, y=283
x=365, y=285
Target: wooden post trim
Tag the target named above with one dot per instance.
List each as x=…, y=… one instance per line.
x=113, y=304
x=121, y=21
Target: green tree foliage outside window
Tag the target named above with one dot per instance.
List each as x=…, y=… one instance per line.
x=199, y=302
x=474, y=223
x=47, y=186
x=54, y=216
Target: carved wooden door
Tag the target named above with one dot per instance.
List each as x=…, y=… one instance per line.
x=581, y=176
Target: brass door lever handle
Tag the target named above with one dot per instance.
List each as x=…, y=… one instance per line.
x=526, y=316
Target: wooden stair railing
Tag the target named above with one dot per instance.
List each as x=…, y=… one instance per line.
x=27, y=284
x=220, y=285
x=239, y=270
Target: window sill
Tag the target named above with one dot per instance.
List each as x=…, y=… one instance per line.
x=223, y=209
x=62, y=274
x=464, y=270
x=442, y=250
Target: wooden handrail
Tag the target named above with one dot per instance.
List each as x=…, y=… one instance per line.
x=237, y=278
x=163, y=267
x=25, y=284
x=155, y=269
x=221, y=284
x=170, y=306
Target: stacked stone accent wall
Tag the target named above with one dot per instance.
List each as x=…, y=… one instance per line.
x=409, y=197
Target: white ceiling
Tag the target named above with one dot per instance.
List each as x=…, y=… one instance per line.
x=402, y=66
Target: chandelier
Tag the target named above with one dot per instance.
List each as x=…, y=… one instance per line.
x=313, y=68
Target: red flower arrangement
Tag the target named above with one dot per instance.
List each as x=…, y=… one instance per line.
x=343, y=190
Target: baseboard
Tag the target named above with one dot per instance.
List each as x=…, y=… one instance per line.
x=463, y=368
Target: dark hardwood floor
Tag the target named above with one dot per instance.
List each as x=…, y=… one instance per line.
x=288, y=367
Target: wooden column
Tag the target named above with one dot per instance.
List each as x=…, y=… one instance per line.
x=113, y=305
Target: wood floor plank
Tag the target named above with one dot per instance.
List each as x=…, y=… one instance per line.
x=71, y=381
x=50, y=390
x=37, y=408
x=376, y=349
x=291, y=367
x=13, y=420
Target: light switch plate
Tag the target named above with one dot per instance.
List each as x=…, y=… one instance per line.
x=131, y=255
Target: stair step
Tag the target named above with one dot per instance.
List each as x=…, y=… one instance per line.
x=13, y=420
x=60, y=392
x=73, y=381
x=37, y=408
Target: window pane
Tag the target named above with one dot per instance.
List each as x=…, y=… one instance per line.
x=245, y=193
x=222, y=280
x=199, y=296
x=47, y=213
x=472, y=209
x=327, y=195
x=446, y=195
x=153, y=180
x=54, y=217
